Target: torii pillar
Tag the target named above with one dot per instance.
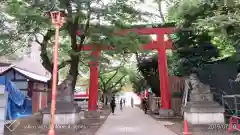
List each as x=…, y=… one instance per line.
x=93, y=85
x=93, y=88
x=160, y=45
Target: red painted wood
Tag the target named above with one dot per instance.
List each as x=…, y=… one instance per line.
x=150, y=46
x=44, y=100
x=163, y=77
x=155, y=45
x=35, y=99
x=81, y=95
x=30, y=87
x=93, y=88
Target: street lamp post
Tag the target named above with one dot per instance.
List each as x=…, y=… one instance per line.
x=57, y=19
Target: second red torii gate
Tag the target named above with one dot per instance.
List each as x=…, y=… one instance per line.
x=93, y=88
x=160, y=45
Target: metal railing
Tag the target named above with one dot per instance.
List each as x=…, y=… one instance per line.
x=186, y=96
x=218, y=96
x=233, y=102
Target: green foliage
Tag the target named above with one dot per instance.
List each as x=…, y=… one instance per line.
x=12, y=45
x=223, y=22
x=177, y=95
x=97, y=21
x=138, y=82
x=196, y=43
x=207, y=33
x=111, y=80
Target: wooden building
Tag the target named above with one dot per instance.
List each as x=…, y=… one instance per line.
x=32, y=84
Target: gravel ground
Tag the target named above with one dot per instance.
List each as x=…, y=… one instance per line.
x=177, y=126
x=32, y=126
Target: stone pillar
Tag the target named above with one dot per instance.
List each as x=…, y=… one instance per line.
x=150, y=100
x=153, y=105
x=3, y=103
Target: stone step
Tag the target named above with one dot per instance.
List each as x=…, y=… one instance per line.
x=206, y=109
x=161, y=117
x=203, y=104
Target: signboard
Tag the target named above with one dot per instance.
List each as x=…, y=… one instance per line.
x=81, y=92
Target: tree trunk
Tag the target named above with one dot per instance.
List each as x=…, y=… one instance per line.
x=75, y=48
x=105, y=99
x=74, y=70
x=159, y=2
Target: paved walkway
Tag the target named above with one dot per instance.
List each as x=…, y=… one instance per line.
x=132, y=121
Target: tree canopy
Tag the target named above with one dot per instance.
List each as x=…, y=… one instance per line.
x=207, y=33
x=97, y=21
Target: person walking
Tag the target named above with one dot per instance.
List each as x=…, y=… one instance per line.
x=124, y=102
x=113, y=105
x=132, y=102
x=121, y=104
x=144, y=105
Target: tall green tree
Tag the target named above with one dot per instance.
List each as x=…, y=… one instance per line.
x=194, y=46
x=112, y=81
x=138, y=82
x=12, y=46
x=96, y=20
x=222, y=21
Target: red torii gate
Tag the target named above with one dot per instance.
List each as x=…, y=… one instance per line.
x=160, y=45
x=93, y=87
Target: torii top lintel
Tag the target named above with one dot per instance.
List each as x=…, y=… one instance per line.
x=148, y=31
x=142, y=31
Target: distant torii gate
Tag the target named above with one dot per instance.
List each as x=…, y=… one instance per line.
x=160, y=45
x=93, y=88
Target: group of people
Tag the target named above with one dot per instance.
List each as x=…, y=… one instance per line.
x=121, y=103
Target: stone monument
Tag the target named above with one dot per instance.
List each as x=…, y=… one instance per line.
x=201, y=108
x=66, y=111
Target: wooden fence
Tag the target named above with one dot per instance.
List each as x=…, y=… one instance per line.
x=176, y=84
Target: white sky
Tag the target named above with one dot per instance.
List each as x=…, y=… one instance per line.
x=151, y=7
